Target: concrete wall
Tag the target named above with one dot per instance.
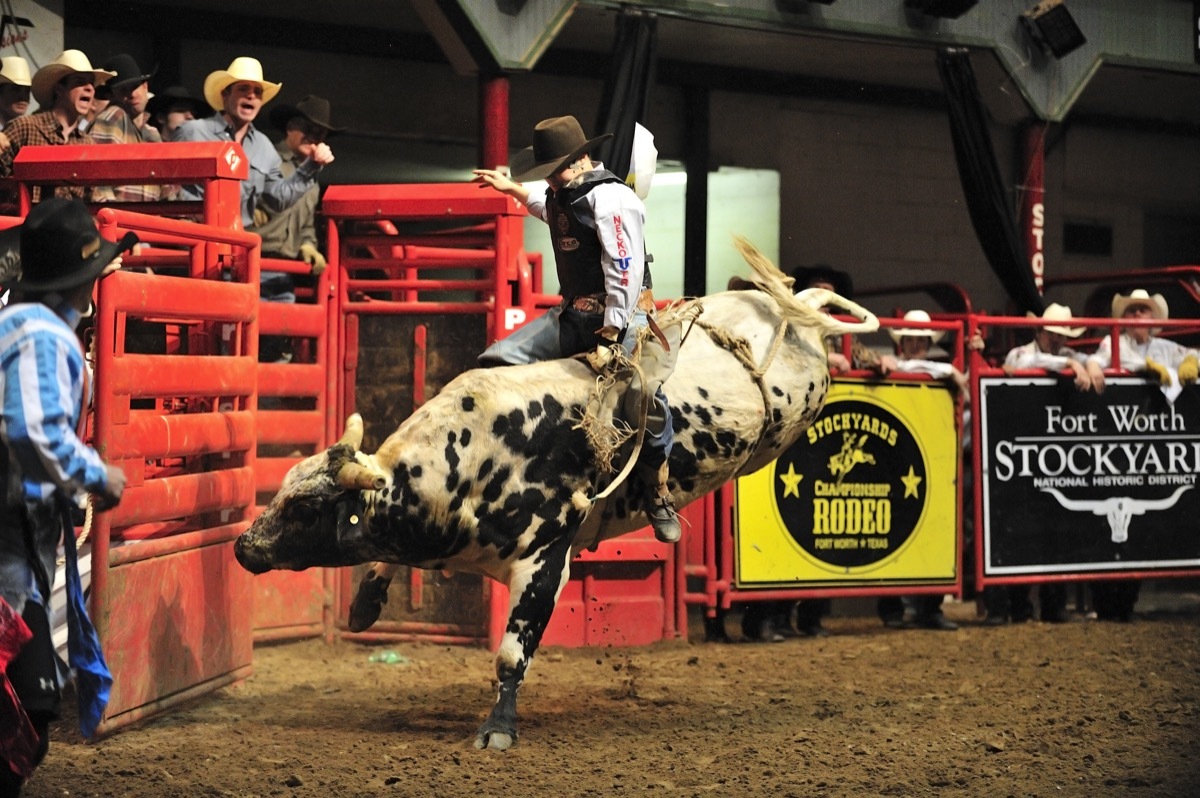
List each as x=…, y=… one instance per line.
x=869, y=188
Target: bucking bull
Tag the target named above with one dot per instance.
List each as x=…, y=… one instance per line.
x=496, y=476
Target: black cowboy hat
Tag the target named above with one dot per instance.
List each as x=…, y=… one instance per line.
x=177, y=95
x=805, y=276
x=129, y=74
x=61, y=247
x=313, y=108
x=556, y=142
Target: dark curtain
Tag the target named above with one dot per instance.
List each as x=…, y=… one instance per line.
x=627, y=88
x=988, y=202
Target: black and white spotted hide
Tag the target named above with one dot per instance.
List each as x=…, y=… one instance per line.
x=492, y=476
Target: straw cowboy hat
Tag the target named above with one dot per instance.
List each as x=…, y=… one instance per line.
x=68, y=61
x=61, y=247
x=128, y=73
x=919, y=317
x=1057, y=312
x=242, y=68
x=556, y=142
x=14, y=69
x=313, y=108
x=1138, y=296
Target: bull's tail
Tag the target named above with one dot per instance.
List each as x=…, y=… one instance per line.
x=805, y=307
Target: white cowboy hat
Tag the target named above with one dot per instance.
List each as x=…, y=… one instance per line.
x=242, y=68
x=1138, y=296
x=1057, y=312
x=14, y=69
x=68, y=61
x=919, y=317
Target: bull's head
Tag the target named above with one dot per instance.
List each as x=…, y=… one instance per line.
x=318, y=515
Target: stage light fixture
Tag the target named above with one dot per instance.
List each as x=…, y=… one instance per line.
x=1051, y=25
x=948, y=9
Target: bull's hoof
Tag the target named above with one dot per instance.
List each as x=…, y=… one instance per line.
x=495, y=739
x=368, y=602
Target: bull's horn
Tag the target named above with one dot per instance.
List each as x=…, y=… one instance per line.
x=354, y=432
x=357, y=475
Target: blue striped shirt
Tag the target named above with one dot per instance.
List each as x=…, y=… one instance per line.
x=41, y=384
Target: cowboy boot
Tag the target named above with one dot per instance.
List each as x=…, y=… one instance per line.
x=660, y=507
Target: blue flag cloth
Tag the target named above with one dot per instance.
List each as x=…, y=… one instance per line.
x=92, y=679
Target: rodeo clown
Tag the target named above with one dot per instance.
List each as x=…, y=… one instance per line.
x=45, y=466
x=597, y=229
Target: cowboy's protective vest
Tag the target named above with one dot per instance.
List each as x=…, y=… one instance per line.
x=573, y=236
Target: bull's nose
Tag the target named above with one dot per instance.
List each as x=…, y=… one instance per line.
x=248, y=558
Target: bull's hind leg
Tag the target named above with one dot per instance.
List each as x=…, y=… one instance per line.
x=371, y=596
x=533, y=587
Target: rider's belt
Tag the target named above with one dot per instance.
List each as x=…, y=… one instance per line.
x=594, y=303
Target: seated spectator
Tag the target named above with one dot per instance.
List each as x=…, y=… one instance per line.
x=1141, y=349
x=64, y=88
x=171, y=107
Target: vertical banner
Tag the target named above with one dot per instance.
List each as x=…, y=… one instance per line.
x=1032, y=193
x=868, y=496
x=1078, y=483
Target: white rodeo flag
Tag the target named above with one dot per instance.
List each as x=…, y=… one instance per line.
x=1118, y=510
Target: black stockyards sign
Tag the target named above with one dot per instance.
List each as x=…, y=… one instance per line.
x=1077, y=483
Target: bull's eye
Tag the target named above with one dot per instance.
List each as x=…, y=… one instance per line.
x=303, y=511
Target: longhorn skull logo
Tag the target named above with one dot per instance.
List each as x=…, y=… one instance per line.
x=1119, y=510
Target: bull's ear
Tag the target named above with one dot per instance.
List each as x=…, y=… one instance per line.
x=353, y=435
x=356, y=476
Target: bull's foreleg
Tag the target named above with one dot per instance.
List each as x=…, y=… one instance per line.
x=533, y=587
x=371, y=596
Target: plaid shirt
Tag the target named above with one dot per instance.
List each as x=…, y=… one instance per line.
x=114, y=126
x=41, y=128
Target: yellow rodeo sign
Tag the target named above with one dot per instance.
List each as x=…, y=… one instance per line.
x=867, y=497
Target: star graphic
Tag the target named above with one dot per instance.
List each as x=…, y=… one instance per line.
x=911, y=481
x=791, y=482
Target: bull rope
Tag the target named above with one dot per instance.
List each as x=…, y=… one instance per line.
x=740, y=348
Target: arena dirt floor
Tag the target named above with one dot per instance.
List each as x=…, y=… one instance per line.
x=1087, y=708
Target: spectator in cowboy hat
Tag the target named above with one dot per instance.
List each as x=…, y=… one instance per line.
x=124, y=121
x=173, y=106
x=63, y=89
x=43, y=468
x=1167, y=363
x=291, y=234
x=1141, y=348
x=1048, y=349
x=14, y=89
x=238, y=94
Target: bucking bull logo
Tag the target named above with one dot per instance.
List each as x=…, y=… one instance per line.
x=865, y=501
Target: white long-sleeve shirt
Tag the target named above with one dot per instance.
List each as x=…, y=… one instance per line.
x=1134, y=355
x=619, y=218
